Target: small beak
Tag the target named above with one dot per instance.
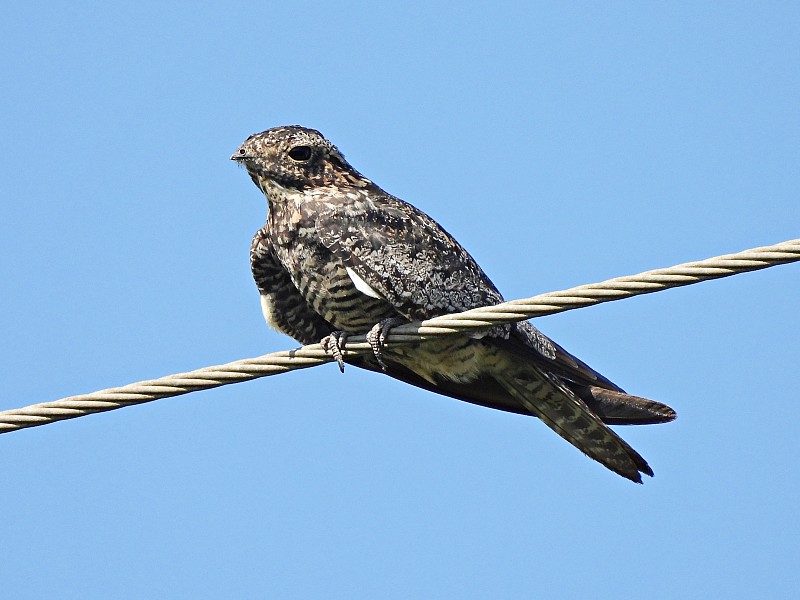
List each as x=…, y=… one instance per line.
x=239, y=155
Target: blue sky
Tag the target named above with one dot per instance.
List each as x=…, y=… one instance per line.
x=560, y=143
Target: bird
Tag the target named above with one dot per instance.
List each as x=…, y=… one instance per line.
x=339, y=256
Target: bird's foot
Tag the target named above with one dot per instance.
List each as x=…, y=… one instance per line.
x=377, y=336
x=333, y=344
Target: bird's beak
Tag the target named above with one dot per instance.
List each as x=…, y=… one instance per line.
x=238, y=156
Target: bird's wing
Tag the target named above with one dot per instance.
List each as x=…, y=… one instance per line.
x=406, y=258
x=409, y=260
x=605, y=398
x=284, y=308
x=525, y=337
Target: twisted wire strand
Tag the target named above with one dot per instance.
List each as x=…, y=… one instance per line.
x=479, y=318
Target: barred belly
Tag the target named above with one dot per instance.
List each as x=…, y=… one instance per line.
x=456, y=358
x=340, y=303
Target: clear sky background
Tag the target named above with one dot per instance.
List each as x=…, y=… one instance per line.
x=562, y=144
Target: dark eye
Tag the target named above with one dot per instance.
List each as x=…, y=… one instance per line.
x=300, y=153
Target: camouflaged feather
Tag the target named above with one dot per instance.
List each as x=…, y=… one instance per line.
x=339, y=253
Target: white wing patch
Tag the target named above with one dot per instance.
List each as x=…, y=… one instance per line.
x=361, y=285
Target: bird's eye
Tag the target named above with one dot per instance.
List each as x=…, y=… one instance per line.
x=300, y=153
x=242, y=152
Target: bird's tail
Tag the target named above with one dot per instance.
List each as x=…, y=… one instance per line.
x=548, y=397
x=618, y=408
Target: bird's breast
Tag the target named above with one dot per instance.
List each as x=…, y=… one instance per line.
x=323, y=280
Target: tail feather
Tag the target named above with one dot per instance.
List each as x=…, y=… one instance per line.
x=548, y=397
x=614, y=408
x=617, y=408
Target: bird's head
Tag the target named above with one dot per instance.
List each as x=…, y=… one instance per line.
x=295, y=158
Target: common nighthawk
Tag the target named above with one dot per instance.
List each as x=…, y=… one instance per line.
x=339, y=255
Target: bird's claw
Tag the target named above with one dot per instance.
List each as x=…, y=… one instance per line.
x=377, y=336
x=333, y=344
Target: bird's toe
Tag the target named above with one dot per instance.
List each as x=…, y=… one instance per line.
x=333, y=344
x=377, y=336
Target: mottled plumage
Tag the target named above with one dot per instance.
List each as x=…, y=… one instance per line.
x=338, y=254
